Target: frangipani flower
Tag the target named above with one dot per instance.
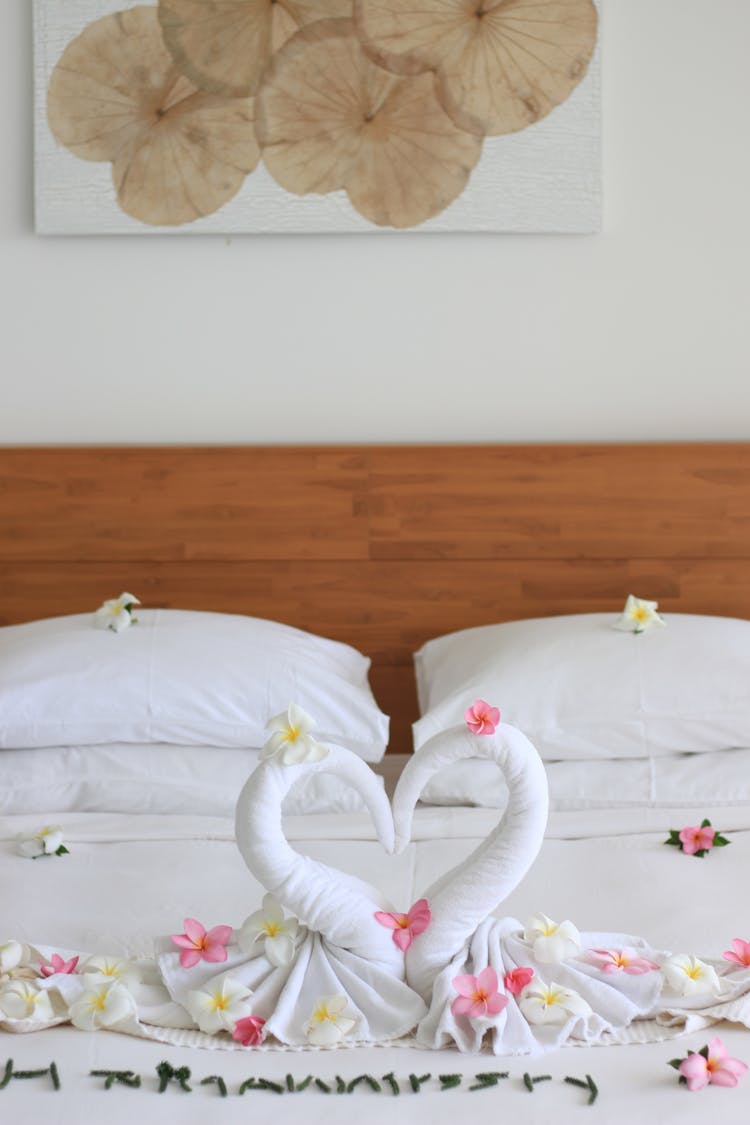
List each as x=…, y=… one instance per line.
x=697, y=839
x=551, y=1003
x=269, y=924
x=516, y=980
x=117, y=613
x=740, y=954
x=406, y=926
x=689, y=976
x=47, y=841
x=112, y=969
x=291, y=741
x=482, y=718
x=711, y=1066
x=199, y=944
x=22, y=1000
x=249, y=1031
x=638, y=616
x=11, y=956
x=328, y=1024
x=552, y=942
x=478, y=997
x=58, y=965
x=612, y=961
x=104, y=1003
x=219, y=1005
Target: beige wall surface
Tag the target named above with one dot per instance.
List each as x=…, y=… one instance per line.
x=638, y=333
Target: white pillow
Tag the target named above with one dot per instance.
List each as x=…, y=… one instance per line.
x=154, y=778
x=180, y=677
x=580, y=689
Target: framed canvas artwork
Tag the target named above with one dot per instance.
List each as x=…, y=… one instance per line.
x=250, y=116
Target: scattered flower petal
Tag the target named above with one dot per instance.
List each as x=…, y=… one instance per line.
x=117, y=613
x=697, y=839
x=22, y=1000
x=57, y=964
x=104, y=1003
x=291, y=742
x=740, y=954
x=478, y=997
x=551, y=1003
x=638, y=616
x=219, y=1005
x=112, y=969
x=689, y=976
x=328, y=1024
x=199, y=944
x=711, y=1066
x=249, y=1031
x=11, y=956
x=482, y=718
x=516, y=980
x=278, y=933
x=552, y=942
x=47, y=841
x=406, y=926
x=612, y=961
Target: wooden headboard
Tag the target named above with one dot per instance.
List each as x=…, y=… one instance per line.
x=379, y=546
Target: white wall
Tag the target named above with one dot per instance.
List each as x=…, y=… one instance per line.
x=638, y=333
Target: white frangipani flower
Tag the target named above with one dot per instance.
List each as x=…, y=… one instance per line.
x=552, y=942
x=638, y=616
x=106, y=969
x=117, y=613
x=22, y=1000
x=47, y=841
x=328, y=1024
x=11, y=955
x=103, y=1003
x=291, y=741
x=551, y=1003
x=220, y=1004
x=689, y=976
x=269, y=924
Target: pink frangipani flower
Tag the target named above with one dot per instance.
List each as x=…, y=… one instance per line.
x=249, y=1031
x=58, y=965
x=406, y=926
x=713, y=1066
x=622, y=961
x=478, y=996
x=199, y=944
x=516, y=980
x=740, y=954
x=697, y=838
x=482, y=718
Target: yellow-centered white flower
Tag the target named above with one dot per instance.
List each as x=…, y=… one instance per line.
x=219, y=1004
x=551, y=1003
x=44, y=842
x=11, y=955
x=328, y=1023
x=552, y=942
x=689, y=976
x=116, y=613
x=269, y=925
x=103, y=1003
x=638, y=616
x=290, y=741
x=22, y=1000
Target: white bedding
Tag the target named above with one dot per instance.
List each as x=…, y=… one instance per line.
x=130, y=878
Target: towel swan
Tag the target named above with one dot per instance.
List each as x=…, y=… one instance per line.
x=465, y=938
x=340, y=949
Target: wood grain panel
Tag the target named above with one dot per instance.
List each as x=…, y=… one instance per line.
x=380, y=547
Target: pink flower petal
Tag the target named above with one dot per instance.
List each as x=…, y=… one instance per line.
x=465, y=985
x=477, y=1010
x=183, y=941
x=403, y=939
x=487, y=980
x=194, y=930
x=716, y=1049
x=389, y=920
x=420, y=916
x=462, y=1006
x=496, y=1004
x=189, y=957
x=214, y=953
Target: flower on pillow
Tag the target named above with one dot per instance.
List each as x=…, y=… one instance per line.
x=638, y=616
x=482, y=718
x=697, y=840
x=117, y=613
x=47, y=841
x=291, y=742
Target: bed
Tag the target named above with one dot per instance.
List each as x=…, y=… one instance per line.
x=383, y=549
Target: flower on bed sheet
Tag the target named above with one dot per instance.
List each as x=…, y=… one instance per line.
x=611, y=961
x=638, y=616
x=552, y=942
x=249, y=1031
x=711, y=1066
x=107, y=969
x=57, y=965
x=117, y=613
x=23, y=1000
x=516, y=980
x=482, y=718
x=47, y=841
x=697, y=839
x=551, y=1003
x=689, y=976
x=269, y=925
x=200, y=944
x=220, y=1004
x=103, y=1003
x=291, y=742
x=740, y=954
x=328, y=1024
x=406, y=926
x=479, y=996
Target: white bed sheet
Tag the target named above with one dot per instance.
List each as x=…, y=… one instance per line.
x=129, y=879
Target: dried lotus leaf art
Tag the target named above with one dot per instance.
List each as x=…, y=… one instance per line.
x=317, y=115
